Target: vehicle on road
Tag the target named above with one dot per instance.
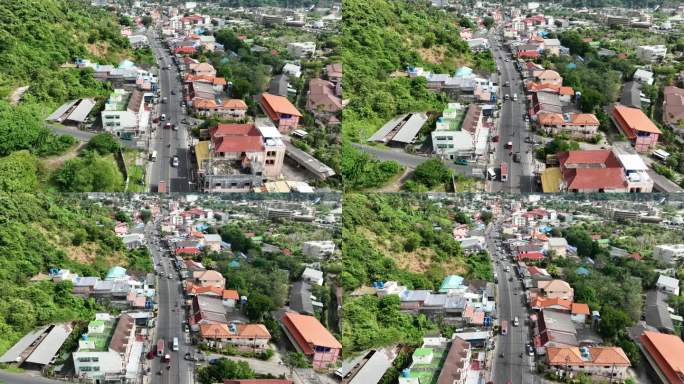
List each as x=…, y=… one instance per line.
x=516, y=157
x=515, y=97
x=175, y=342
x=174, y=127
x=495, y=139
x=153, y=156
x=166, y=359
x=173, y=91
x=491, y=173
x=508, y=83
x=506, y=97
x=174, y=161
x=164, y=100
x=189, y=357
x=168, y=126
x=515, y=321
x=504, y=327
x=509, y=145
x=160, y=347
x=161, y=187
x=163, y=116
x=530, y=350
x=504, y=172
x=461, y=162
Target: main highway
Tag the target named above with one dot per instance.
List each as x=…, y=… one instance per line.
x=511, y=363
x=169, y=142
x=170, y=317
x=512, y=128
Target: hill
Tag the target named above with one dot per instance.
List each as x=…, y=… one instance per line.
x=39, y=231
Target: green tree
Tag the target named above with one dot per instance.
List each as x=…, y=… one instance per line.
x=18, y=172
x=486, y=216
x=224, y=369
x=103, y=143
x=258, y=306
x=431, y=173
x=294, y=360
x=145, y=215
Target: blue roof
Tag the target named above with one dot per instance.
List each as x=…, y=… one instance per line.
x=571, y=66
x=451, y=282
x=545, y=229
x=582, y=271
x=115, y=273
x=463, y=71
x=201, y=227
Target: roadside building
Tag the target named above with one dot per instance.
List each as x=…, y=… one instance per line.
x=664, y=354
x=638, y=128
x=124, y=114
x=281, y=111
x=610, y=363
x=311, y=338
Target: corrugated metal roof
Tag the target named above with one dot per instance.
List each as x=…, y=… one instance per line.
x=57, y=114
x=408, y=132
x=81, y=112
x=13, y=353
x=47, y=349
x=374, y=369
x=381, y=133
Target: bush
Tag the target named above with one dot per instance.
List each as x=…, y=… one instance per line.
x=103, y=143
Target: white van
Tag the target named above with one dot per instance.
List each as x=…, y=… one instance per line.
x=175, y=343
x=153, y=156
x=515, y=97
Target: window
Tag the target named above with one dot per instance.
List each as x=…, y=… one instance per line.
x=95, y=359
x=270, y=153
x=270, y=162
x=84, y=359
x=85, y=369
x=96, y=369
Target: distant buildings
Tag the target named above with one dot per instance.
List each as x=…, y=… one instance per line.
x=301, y=49
x=669, y=253
x=318, y=249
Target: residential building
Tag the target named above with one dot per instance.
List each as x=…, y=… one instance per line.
x=281, y=111
x=301, y=49
x=311, y=338
x=673, y=106
x=591, y=171
x=577, y=125
x=554, y=329
x=202, y=69
x=668, y=284
x=643, y=76
x=664, y=353
x=318, y=249
x=253, y=337
x=636, y=173
x=209, y=278
x=552, y=46
x=638, y=128
x=313, y=276
x=651, y=53
x=558, y=245
x=549, y=76
x=206, y=309
x=609, y=363
x=109, y=350
x=457, y=363
x=124, y=114
x=235, y=109
x=212, y=242
x=322, y=98
x=548, y=102
x=334, y=72
x=669, y=253
x=579, y=312
x=556, y=289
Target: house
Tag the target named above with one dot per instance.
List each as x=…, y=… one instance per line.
x=108, y=349
x=207, y=310
x=202, y=69
x=643, y=76
x=529, y=256
x=301, y=49
x=124, y=114
x=673, y=106
x=565, y=95
x=292, y=70
x=209, y=278
x=549, y=76
x=280, y=86
x=318, y=249
x=552, y=46
x=638, y=128
x=664, y=353
x=457, y=363
x=334, y=72
x=281, y=111
x=556, y=289
x=669, y=253
x=610, y=363
x=558, y=245
x=668, y=284
x=556, y=304
x=212, y=242
x=555, y=329
x=322, y=98
x=309, y=337
x=230, y=298
x=651, y=53
x=548, y=102
x=579, y=313
x=228, y=109
x=591, y=171
x=251, y=337
x=577, y=125
x=313, y=276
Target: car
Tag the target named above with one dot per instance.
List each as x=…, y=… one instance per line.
x=213, y=361
x=173, y=92
x=461, y=162
x=170, y=276
x=515, y=321
x=175, y=161
x=174, y=127
x=168, y=126
x=161, y=273
x=495, y=139
x=166, y=358
x=530, y=350
x=188, y=356
x=516, y=157
x=150, y=354
x=508, y=83
x=509, y=145
x=186, y=328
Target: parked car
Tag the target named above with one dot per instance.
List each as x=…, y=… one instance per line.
x=175, y=161
x=461, y=162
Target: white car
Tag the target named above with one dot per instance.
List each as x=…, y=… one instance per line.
x=174, y=161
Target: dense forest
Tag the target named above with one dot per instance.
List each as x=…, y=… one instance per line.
x=41, y=231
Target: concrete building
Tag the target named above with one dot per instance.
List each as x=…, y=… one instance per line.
x=318, y=249
x=638, y=128
x=124, y=114
x=668, y=284
x=664, y=354
x=651, y=53
x=301, y=49
x=669, y=253
x=311, y=338
x=608, y=363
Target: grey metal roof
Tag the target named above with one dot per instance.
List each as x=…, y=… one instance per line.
x=279, y=85
x=559, y=321
x=12, y=354
x=57, y=114
x=435, y=300
x=309, y=162
x=631, y=94
x=300, y=298
x=81, y=112
x=408, y=132
x=415, y=295
x=381, y=134
x=210, y=304
x=656, y=312
x=374, y=369
x=456, y=302
x=47, y=349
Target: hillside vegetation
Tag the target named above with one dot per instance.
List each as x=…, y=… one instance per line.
x=38, y=232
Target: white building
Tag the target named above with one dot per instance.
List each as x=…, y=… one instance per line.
x=303, y=49
x=108, y=350
x=668, y=284
x=669, y=253
x=292, y=70
x=643, y=76
x=636, y=173
x=318, y=249
x=650, y=53
x=313, y=276
x=212, y=242
x=124, y=114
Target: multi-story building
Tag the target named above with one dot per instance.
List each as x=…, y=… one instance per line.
x=638, y=128
x=281, y=111
x=253, y=337
x=664, y=353
x=651, y=53
x=318, y=249
x=108, y=351
x=609, y=363
x=669, y=253
x=124, y=114
x=311, y=338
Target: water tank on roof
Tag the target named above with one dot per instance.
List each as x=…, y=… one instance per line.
x=406, y=372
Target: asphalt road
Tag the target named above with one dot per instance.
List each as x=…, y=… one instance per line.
x=24, y=378
x=169, y=320
x=512, y=366
x=512, y=127
x=406, y=159
x=168, y=142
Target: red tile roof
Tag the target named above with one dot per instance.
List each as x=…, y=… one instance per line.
x=667, y=351
x=633, y=120
x=231, y=294
x=598, y=158
x=185, y=50
x=594, y=178
x=530, y=256
x=580, y=309
x=279, y=104
x=532, y=54
x=188, y=250
x=236, y=138
x=308, y=332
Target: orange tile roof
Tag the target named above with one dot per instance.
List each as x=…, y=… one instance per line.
x=280, y=104
x=214, y=330
x=584, y=119
x=539, y=302
x=580, y=309
x=256, y=331
x=598, y=356
x=566, y=91
x=234, y=104
x=309, y=331
x=230, y=294
x=550, y=118
x=635, y=119
x=667, y=351
x=534, y=87
x=198, y=103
